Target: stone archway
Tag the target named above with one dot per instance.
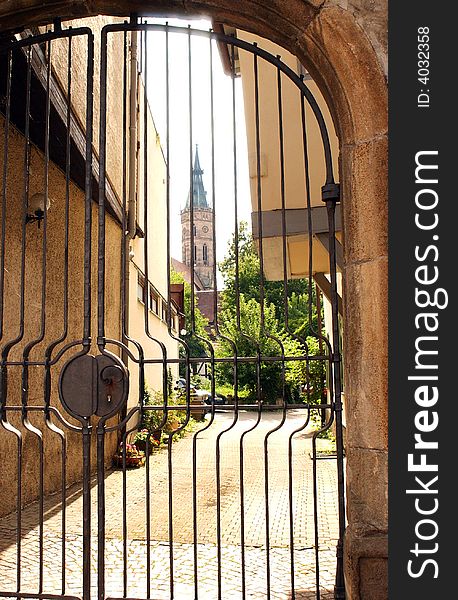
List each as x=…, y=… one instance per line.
x=344, y=49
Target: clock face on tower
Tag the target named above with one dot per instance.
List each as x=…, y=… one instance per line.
x=205, y=229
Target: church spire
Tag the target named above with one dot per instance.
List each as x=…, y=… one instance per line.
x=199, y=195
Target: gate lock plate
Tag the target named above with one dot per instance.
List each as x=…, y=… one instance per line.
x=93, y=385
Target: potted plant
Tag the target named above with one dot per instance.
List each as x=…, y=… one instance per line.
x=146, y=441
x=134, y=456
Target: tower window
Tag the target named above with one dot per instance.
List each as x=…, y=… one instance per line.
x=194, y=228
x=195, y=254
x=205, y=254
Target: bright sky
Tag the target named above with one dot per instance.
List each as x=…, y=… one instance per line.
x=201, y=131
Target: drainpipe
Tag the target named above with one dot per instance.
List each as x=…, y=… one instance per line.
x=132, y=184
x=132, y=201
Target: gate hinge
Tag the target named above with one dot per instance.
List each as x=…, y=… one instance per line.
x=330, y=191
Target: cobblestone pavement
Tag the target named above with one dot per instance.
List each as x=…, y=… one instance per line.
x=182, y=522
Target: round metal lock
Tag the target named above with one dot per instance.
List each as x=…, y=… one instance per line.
x=93, y=385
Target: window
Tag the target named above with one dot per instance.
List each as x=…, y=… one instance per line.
x=205, y=254
x=153, y=300
x=141, y=294
x=194, y=228
x=195, y=254
x=164, y=312
x=174, y=322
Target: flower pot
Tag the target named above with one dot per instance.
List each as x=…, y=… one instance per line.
x=132, y=458
x=154, y=441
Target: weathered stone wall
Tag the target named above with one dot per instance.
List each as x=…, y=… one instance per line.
x=54, y=324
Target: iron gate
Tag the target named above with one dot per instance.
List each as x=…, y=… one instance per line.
x=86, y=216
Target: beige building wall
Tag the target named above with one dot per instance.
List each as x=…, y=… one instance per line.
x=54, y=316
x=114, y=121
x=294, y=165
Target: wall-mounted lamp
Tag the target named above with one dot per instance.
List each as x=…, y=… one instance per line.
x=36, y=208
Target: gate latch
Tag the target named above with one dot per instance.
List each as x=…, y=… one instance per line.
x=93, y=385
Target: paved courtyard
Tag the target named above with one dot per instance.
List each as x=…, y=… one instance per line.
x=182, y=548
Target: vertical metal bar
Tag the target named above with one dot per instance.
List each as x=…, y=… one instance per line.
x=144, y=46
x=9, y=69
x=124, y=516
x=316, y=519
x=86, y=429
x=188, y=364
x=101, y=510
x=3, y=388
x=18, y=509
x=308, y=204
x=43, y=306
x=62, y=337
x=242, y=496
x=279, y=342
x=282, y=195
x=237, y=295
x=194, y=510
x=124, y=298
x=200, y=338
x=258, y=183
x=146, y=299
x=193, y=322
x=179, y=340
x=19, y=512
x=291, y=499
x=170, y=515
x=263, y=331
x=86, y=432
x=191, y=185
x=339, y=588
x=88, y=187
x=22, y=304
x=148, y=518
x=64, y=512
x=321, y=346
x=101, y=204
x=101, y=315
x=169, y=466
x=125, y=237
x=310, y=291
x=34, y=342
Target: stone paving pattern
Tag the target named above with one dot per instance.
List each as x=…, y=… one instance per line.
x=183, y=533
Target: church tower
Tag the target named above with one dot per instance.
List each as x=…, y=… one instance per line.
x=202, y=255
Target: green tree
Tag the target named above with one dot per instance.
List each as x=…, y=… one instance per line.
x=257, y=330
x=249, y=339
x=253, y=334
x=248, y=269
x=299, y=322
x=248, y=284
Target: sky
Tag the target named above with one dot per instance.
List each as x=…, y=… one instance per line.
x=201, y=127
